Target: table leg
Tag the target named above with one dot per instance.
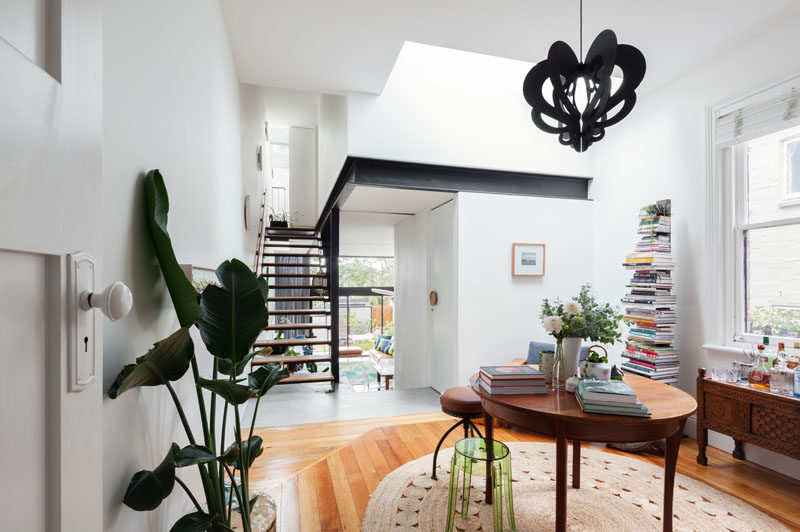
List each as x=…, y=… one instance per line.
x=670, y=461
x=488, y=422
x=561, y=476
x=738, y=449
x=576, y=464
x=702, y=441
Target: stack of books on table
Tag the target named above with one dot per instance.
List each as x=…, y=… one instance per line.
x=650, y=304
x=511, y=380
x=609, y=397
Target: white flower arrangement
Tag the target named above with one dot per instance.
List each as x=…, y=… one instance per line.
x=572, y=308
x=581, y=317
x=553, y=324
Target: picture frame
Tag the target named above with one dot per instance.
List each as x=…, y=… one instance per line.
x=527, y=260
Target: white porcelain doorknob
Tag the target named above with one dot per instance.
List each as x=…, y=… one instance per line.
x=115, y=301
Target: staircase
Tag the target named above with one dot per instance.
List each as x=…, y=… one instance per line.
x=295, y=261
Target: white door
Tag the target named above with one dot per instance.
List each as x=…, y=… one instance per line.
x=443, y=350
x=50, y=192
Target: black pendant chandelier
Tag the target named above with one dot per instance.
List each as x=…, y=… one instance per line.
x=583, y=102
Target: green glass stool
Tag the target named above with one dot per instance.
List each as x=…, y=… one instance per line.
x=472, y=456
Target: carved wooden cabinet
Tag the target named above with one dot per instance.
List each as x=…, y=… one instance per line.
x=748, y=415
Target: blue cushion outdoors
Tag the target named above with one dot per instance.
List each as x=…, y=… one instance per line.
x=380, y=338
x=537, y=347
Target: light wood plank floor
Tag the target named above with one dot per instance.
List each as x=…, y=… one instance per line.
x=322, y=474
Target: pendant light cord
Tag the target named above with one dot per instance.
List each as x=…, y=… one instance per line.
x=580, y=36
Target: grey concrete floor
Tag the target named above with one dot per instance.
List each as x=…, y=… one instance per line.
x=296, y=404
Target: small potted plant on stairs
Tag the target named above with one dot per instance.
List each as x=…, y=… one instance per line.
x=279, y=218
x=229, y=316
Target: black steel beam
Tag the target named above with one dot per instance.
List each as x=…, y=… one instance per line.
x=419, y=176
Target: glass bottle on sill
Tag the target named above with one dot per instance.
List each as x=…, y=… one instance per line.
x=781, y=378
x=794, y=358
x=780, y=356
x=797, y=381
x=759, y=375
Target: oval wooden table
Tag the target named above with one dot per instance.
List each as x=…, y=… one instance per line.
x=558, y=414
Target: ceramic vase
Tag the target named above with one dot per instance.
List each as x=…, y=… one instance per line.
x=572, y=348
x=546, y=365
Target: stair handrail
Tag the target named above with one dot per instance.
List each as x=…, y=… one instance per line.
x=260, y=238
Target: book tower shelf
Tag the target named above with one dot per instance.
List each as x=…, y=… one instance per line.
x=650, y=303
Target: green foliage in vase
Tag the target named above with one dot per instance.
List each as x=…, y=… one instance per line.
x=229, y=315
x=582, y=317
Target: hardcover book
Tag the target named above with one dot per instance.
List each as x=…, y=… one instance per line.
x=610, y=390
x=512, y=372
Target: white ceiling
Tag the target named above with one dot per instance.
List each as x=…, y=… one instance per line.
x=392, y=200
x=351, y=45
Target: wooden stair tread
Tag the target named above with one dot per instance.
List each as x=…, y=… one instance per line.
x=319, y=275
x=296, y=378
x=291, y=342
x=297, y=286
x=291, y=236
x=298, y=298
x=293, y=265
x=283, y=359
x=300, y=228
x=297, y=312
x=297, y=326
x=285, y=245
x=273, y=254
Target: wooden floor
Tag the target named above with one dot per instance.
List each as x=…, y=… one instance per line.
x=322, y=474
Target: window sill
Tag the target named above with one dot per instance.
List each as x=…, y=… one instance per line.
x=789, y=201
x=723, y=351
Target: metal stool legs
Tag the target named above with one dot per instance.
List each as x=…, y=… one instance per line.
x=469, y=426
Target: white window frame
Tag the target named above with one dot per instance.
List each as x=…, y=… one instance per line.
x=789, y=198
x=726, y=223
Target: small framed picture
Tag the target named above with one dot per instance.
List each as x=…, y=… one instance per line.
x=527, y=260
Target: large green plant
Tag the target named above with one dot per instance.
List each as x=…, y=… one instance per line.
x=230, y=317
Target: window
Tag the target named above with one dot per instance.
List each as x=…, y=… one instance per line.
x=791, y=170
x=366, y=303
x=758, y=159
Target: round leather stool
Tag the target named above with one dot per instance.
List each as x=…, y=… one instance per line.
x=460, y=402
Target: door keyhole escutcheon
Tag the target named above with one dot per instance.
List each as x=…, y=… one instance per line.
x=85, y=344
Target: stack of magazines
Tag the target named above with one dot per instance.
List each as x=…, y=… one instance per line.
x=609, y=397
x=650, y=304
x=511, y=380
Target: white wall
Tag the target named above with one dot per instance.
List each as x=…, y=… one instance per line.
x=457, y=108
x=499, y=314
x=658, y=152
x=365, y=234
x=253, y=120
x=411, y=238
x=303, y=176
x=171, y=102
x=333, y=143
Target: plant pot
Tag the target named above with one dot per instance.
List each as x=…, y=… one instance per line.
x=572, y=348
x=263, y=516
x=597, y=370
x=546, y=359
x=278, y=223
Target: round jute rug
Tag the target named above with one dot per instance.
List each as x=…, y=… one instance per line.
x=617, y=494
